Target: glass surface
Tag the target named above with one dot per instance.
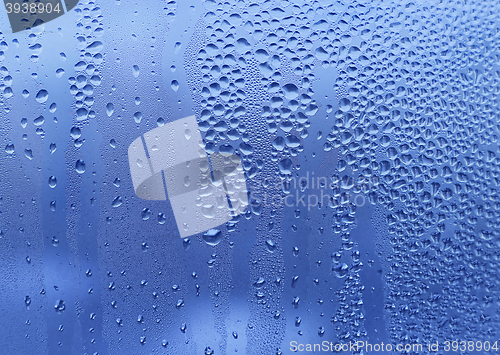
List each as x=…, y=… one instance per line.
x=344, y=194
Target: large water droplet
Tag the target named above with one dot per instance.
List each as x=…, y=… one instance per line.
x=81, y=114
x=285, y=166
x=80, y=166
x=95, y=47
x=52, y=181
x=212, y=237
x=75, y=132
x=174, y=85
x=42, y=96
x=208, y=211
x=291, y=91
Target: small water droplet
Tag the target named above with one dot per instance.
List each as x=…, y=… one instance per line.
x=145, y=214
x=138, y=117
x=117, y=202
x=271, y=247
x=52, y=181
x=110, y=108
x=135, y=70
x=60, y=306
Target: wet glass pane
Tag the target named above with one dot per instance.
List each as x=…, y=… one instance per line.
x=251, y=177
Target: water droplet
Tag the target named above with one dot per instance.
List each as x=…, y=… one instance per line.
x=39, y=121
x=208, y=211
x=261, y=55
x=42, y=96
x=138, y=117
x=117, y=202
x=340, y=269
x=95, y=47
x=27, y=301
x=279, y=143
x=135, y=70
x=180, y=303
x=75, y=132
x=80, y=166
x=174, y=85
x=271, y=247
x=60, y=306
x=212, y=237
x=291, y=91
x=9, y=149
x=145, y=214
x=285, y=166
x=52, y=181
x=28, y=153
